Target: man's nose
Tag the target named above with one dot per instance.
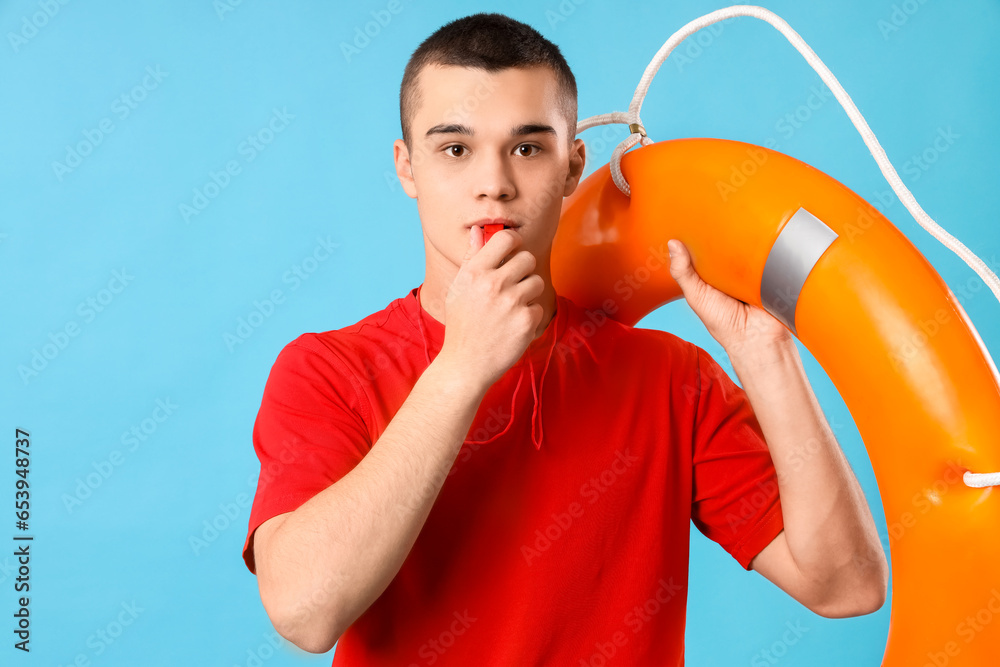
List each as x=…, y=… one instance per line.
x=494, y=179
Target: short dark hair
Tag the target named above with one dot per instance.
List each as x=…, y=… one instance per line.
x=491, y=42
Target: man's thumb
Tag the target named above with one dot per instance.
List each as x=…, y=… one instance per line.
x=475, y=243
x=678, y=259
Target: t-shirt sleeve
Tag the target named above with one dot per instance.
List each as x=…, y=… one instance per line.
x=310, y=431
x=735, y=499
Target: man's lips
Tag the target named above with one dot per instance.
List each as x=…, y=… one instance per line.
x=491, y=226
x=506, y=222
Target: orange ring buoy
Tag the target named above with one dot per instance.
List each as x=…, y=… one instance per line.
x=923, y=390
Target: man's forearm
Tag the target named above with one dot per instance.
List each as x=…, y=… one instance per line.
x=828, y=526
x=334, y=555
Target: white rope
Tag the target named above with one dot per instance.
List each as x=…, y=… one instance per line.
x=981, y=480
x=638, y=135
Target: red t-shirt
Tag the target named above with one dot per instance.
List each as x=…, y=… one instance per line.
x=561, y=535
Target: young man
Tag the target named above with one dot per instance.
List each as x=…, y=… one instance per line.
x=483, y=472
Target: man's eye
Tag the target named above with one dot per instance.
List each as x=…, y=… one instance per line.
x=524, y=150
x=455, y=150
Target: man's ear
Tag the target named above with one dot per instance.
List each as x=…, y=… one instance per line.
x=577, y=159
x=404, y=168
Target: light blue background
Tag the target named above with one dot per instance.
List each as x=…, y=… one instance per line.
x=328, y=173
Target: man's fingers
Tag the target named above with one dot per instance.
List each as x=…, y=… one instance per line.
x=470, y=248
x=475, y=241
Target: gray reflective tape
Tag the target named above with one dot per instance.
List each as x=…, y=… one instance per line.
x=801, y=243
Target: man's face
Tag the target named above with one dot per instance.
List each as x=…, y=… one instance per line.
x=488, y=146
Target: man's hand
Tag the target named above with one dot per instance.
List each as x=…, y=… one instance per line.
x=736, y=325
x=491, y=312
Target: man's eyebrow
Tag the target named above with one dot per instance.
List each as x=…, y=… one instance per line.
x=532, y=128
x=453, y=128
x=518, y=131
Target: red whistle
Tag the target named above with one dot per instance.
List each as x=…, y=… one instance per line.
x=489, y=231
